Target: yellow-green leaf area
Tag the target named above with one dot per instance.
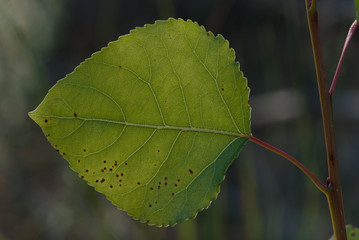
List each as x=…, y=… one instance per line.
x=352, y=233
x=153, y=120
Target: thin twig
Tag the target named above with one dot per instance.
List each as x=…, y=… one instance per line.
x=351, y=32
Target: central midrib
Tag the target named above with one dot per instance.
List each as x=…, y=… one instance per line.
x=153, y=126
x=167, y=127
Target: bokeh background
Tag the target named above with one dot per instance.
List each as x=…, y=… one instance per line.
x=263, y=196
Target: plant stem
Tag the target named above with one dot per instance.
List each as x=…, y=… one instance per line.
x=351, y=31
x=334, y=196
x=322, y=187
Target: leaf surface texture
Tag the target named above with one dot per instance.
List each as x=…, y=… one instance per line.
x=153, y=120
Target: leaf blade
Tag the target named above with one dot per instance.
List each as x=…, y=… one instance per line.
x=149, y=115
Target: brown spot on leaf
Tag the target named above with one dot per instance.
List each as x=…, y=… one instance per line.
x=57, y=150
x=85, y=150
x=121, y=174
x=102, y=180
x=175, y=185
x=45, y=120
x=104, y=161
x=165, y=178
x=151, y=188
x=78, y=160
x=97, y=180
x=111, y=186
x=173, y=194
x=138, y=183
x=117, y=175
x=86, y=170
x=159, y=187
x=190, y=171
x=149, y=205
x=75, y=114
x=82, y=176
x=119, y=66
x=178, y=180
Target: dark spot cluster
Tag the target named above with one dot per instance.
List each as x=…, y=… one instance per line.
x=150, y=205
x=119, y=179
x=165, y=183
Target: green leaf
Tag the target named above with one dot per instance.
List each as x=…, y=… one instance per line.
x=356, y=2
x=153, y=120
x=352, y=233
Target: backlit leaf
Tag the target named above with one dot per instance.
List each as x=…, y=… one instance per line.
x=352, y=233
x=153, y=120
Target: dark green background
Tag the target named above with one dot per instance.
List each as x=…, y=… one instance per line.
x=263, y=196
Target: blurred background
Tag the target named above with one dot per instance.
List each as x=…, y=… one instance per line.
x=263, y=195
